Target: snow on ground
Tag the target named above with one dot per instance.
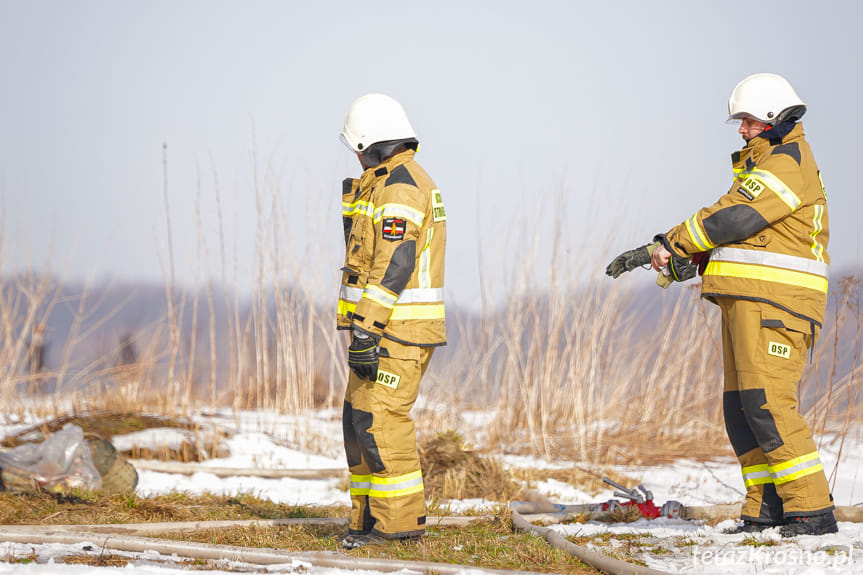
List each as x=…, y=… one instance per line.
x=260, y=440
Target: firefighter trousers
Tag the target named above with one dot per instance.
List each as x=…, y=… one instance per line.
x=764, y=352
x=387, y=496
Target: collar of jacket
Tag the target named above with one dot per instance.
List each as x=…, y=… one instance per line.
x=372, y=175
x=777, y=135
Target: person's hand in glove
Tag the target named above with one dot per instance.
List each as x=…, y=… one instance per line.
x=680, y=268
x=363, y=356
x=629, y=260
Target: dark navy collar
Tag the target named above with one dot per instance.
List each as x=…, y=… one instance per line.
x=775, y=134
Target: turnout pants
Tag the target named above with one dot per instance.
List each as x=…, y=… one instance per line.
x=764, y=352
x=387, y=495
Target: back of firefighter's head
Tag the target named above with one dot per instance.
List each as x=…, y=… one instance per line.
x=377, y=127
x=768, y=98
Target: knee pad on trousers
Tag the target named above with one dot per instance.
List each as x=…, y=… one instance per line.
x=358, y=441
x=739, y=434
x=760, y=420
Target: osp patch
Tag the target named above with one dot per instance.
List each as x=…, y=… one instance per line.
x=394, y=228
x=388, y=379
x=779, y=350
x=752, y=187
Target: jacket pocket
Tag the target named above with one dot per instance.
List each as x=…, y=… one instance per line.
x=359, y=247
x=758, y=240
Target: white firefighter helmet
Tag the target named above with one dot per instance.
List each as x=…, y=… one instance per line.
x=375, y=118
x=768, y=98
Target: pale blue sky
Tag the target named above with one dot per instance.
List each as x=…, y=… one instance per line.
x=617, y=107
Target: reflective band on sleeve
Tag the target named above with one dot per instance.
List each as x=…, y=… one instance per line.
x=346, y=307
x=410, y=295
x=350, y=293
x=361, y=484
x=358, y=207
x=399, y=211
x=424, y=278
x=385, y=487
x=756, y=475
x=768, y=266
x=697, y=234
x=380, y=296
x=817, y=228
x=796, y=468
x=775, y=185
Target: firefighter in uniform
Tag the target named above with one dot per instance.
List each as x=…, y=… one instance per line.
x=391, y=300
x=762, y=249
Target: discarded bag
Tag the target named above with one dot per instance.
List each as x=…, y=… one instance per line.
x=64, y=462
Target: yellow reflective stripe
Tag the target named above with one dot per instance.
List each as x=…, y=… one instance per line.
x=697, y=234
x=796, y=468
x=759, y=272
x=778, y=187
x=756, y=475
x=399, y=211
x=418, y=311
x=397, y=479
x=360, y=484
x=401, y=311
x=346, y=307
x=425, y=262
x=817, y=227
x=771, y=259
x=379, y=296
x=358, y=207
x=385, y=487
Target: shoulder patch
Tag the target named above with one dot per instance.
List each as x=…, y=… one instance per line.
x=790, y=149
x=438, y=212
x=400, y=175
x=735, y=157
x=393, y=229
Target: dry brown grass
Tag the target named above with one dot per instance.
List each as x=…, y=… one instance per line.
x=485, y=544
x=453, y=471
x=85, y=508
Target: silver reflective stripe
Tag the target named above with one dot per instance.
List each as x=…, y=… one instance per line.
x=399, y=211
x=756, y=475
x=349, y=293
x=379, y=295
x=361, y=484
x=413, y=295
x=424, y=277
x=421, y=295
x=772, y=259
x=780, y=476
x=397, y=486
x=779, y=188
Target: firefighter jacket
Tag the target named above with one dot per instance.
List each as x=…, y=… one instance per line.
x=768, y=235
x=395, y=234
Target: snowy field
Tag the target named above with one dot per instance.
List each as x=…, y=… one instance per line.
x=674, y=546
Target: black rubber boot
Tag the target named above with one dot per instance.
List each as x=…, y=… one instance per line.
x=750, y=527
x=812, y=525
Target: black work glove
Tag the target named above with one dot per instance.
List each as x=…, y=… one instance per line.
x=681, y=269
x=363, y=356
x=628, y=261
